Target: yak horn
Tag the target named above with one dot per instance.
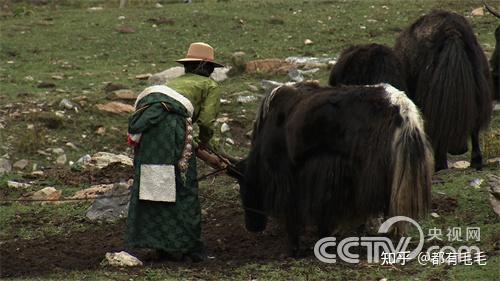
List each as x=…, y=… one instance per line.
x=490, y=9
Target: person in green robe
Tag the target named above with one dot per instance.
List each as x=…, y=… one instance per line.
x=164, y=211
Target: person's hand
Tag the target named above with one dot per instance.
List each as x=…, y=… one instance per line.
x=211, y=159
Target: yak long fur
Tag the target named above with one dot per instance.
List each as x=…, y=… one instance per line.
x=448, y=77
x=326, y=156
x=367, y=65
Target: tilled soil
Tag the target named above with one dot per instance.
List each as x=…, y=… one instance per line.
x=228, y=245
x=114, y=172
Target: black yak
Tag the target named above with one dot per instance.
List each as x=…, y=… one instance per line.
x=495, y=65
x=328, y=157
x=368, y=65
x=448, y=77
x=495, y=57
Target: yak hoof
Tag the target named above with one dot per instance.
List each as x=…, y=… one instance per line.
x=440, y=167
x=476, y=164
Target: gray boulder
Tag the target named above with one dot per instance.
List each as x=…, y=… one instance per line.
x=112, y=206
x=5, y=166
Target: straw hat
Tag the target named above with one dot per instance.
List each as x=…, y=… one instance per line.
x=200, y=52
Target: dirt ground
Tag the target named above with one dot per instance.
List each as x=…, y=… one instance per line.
x=228, y=245
x=113, y=173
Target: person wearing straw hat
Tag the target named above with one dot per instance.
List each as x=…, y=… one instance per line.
x=164, y=211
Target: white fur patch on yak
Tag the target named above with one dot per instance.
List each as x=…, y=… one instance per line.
x=407, y=109
x=410, y=190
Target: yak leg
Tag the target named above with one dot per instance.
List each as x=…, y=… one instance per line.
x=323, y=231
x=293, y=237
x=440, y=157
x=476, y=157
x=324, y=227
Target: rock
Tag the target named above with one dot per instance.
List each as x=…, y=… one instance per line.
x=460, y=165
x=59, y=114
x=295, y=75
x=21, y=164
x=434, y=215
x=37, y=173
x=497, y=107
x=100, y=131
x=269, y=85
x=58, y=151
x=238, y=61
x=122, y=94
x=224, y=128
x=95, y=9
x=71, y=145
x=230, y=141
x=61, y=159
x=17, y=185
x=311, y=62
x=45, y=85
x=476, y=183
x=46, y=195
x=494, y=183
x=115, y=107
x=41, y=152
x=224, y=119
x=220, y=73
x=494, y=162
x=158, y=5
x=309, y=71
x=84, y=160
x=144, y=76
x=126, y=30
x=308, y=42
x=121, y=259
x=246, y=99
x=111, y=87
x=57, y=77
x=66, y=104
x=92, y=192
x=163, y=77
x=253, y=88
x=271, y=66
x=112, y=204
x=161, y=20
x=478, y=12
x=103, y=159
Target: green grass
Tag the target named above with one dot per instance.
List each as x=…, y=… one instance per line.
x=39, y=221
x=65, y=39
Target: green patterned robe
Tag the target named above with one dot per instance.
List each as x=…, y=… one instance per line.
x=172, y=227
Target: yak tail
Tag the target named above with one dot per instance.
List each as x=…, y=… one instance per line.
x=455, y=90
x=412, y=161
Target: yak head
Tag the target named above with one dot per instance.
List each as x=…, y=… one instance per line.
x=255, y=218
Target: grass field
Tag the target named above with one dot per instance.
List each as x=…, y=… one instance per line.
x=80, y=50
